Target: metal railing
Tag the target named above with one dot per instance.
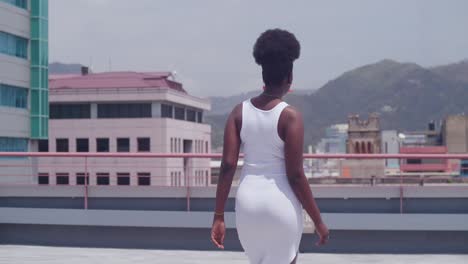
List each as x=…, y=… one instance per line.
x=193, y=170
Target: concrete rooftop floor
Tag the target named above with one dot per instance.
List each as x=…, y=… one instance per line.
x=13, y=254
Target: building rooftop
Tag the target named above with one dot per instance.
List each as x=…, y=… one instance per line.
x=124, y=79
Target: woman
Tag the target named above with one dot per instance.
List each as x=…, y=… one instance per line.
x=273, y=188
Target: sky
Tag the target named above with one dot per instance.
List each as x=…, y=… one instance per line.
x=208, y=43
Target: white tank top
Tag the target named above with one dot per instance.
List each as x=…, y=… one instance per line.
x=263, y=148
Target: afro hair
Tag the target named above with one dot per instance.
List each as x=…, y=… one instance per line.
x=275, y=50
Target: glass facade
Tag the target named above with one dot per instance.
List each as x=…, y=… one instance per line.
x=39, y=95
x=19, y=3
x=119, y=110
x=70, y=111
x=10, y=144
x=13, y=45
x=12, y=96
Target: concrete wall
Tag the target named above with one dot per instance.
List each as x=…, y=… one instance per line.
x=362, y=219
x=350, y=233
x=342, y=241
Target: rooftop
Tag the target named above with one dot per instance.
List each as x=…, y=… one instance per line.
x=55, y=255
x=123, y=79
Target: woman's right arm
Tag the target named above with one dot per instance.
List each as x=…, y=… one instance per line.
x=293, y=148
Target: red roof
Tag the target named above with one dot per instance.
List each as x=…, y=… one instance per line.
x=115, y=80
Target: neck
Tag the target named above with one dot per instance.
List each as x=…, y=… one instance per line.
x=273, y=92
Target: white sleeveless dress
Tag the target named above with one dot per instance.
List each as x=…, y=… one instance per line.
x=268, y=214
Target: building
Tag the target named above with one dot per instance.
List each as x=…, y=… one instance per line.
x=363, y=138
x=125, y=112
x=23, y=81
x=455, y=136
x=333, y=142
x=390, y=145
x=423, y=142
x=363, y=135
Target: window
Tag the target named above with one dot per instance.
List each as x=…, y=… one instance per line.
x=62, y=178
x=43, y=178
x=179, y=113
x=123, y=178
x=123, y=145
x=102, y=145
x=166, y=110
x=70, y=111
x=200, y=117
x=43, y=145
x=13, y=45
x=172, y=145
x=82, y=145
x=133, y=110
x=80, y=178
x=191, y=115
x=10, y=144
x=13, y=96
x=102, y=178
x=143, y=144
x=206, y=146
x=19, y=3
x=61, y=144
x=144, y=178
x=179, y=148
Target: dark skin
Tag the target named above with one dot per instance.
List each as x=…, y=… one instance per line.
x=291, y=131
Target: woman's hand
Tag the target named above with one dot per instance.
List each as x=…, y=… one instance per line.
x=323, y=234
x=217, y=231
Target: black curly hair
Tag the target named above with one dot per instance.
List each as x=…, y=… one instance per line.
x=275, y=50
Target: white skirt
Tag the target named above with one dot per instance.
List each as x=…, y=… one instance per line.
x=268, y=219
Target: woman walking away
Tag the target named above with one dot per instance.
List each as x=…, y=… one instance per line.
x=273, y=188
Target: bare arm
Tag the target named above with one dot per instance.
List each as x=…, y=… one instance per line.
x=293, y=148
x=230, y=157
x=228, y=168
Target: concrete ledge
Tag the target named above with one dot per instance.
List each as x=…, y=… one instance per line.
x=334, y=191
x=171, y=219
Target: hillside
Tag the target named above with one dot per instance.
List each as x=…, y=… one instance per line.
x=406, y=96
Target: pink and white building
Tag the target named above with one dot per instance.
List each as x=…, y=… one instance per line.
x=125, y=112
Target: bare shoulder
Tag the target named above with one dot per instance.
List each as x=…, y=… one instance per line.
x=290, y=114
x=236, y=115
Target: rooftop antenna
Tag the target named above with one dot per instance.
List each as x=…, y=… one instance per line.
x=110, y=64
x=174, y=74
x=90, y=65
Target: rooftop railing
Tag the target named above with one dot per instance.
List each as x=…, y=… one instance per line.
x=190, y=171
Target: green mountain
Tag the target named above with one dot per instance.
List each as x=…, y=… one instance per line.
x=406, y=96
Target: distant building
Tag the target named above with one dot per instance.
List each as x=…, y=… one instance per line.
x=390, y=145
x=23, y=83
x=455, y=133
x=125, y=112
x=334, y=140
x=363, y=135
x=423, y=142
x=455, y=136
x=363, y=138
